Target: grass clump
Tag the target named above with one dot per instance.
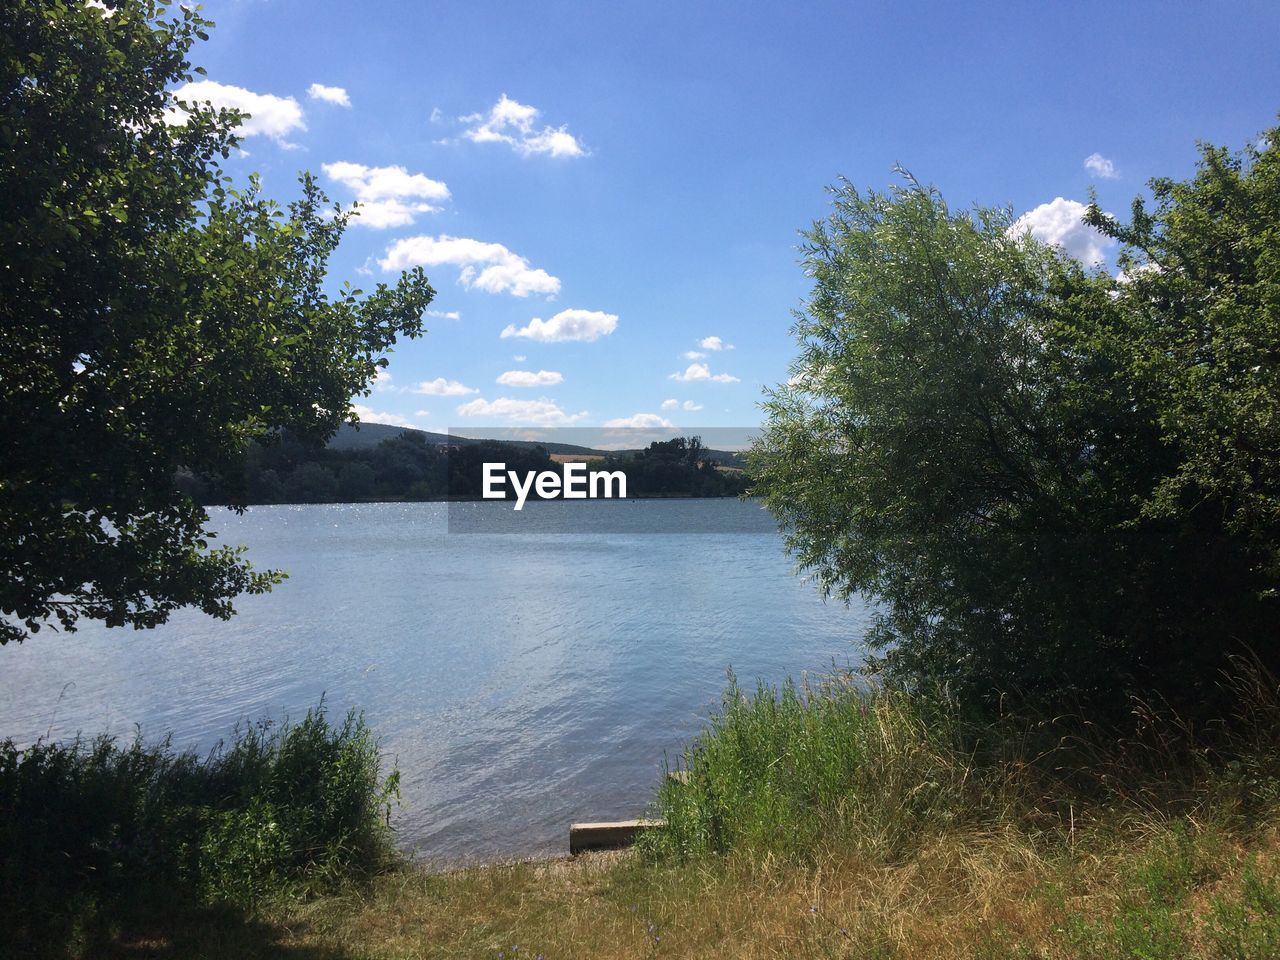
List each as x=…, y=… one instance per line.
x=806, y=769
x=92, y=831
x=845, y=765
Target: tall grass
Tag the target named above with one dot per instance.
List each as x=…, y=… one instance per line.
x=93, y=827
x=805, y=769
x=845, y=765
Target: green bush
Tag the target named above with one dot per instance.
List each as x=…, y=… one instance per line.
x=91, y=825
x=1058, y=484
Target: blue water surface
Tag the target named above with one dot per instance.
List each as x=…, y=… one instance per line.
x=521, y=680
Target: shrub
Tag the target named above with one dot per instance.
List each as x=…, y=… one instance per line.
x=1055, y=482
x=91, y=825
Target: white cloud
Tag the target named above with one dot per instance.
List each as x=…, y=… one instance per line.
x=389, y=196
x=381, y=183
x=271, y=116
x=512, y=123
x=335, y=95
x=487, y=266
x=1100, y=166
x=519, y=358
x=382, y=214
x=677, y=405
x=1060, y=222
x=581, y=325
x=694, y=355
x=440, y=387
x=1128, y=276
x=382, y=379
x=445, y=314
x=527, y=378
x=714, y=343
x=640, y=421
x=541, y=413
x=557, y=143
x=437, y=115
x=369, y=415
x=700, y=371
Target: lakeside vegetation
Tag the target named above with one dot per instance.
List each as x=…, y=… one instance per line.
x=96, y=836
x=842, y=820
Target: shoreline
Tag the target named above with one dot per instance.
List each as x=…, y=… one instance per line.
x=643, y=496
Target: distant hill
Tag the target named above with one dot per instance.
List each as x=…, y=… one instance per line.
x=365, y=435
x=368, y=435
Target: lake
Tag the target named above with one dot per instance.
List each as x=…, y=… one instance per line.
x=521, y=680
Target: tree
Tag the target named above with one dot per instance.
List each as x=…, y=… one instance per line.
x=1198, y=330
x=153, y=318
x=266, y=487
x=311, y=483
x=971, y=438
x=355, y=481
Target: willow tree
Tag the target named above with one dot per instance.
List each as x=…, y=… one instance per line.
x=152, y=318
x=1052, y=481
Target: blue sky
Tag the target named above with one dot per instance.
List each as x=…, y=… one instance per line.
x=612, y=184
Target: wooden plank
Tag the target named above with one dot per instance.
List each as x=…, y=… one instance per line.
x=608, y=835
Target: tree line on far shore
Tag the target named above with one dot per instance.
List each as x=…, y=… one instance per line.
x=407, y=467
